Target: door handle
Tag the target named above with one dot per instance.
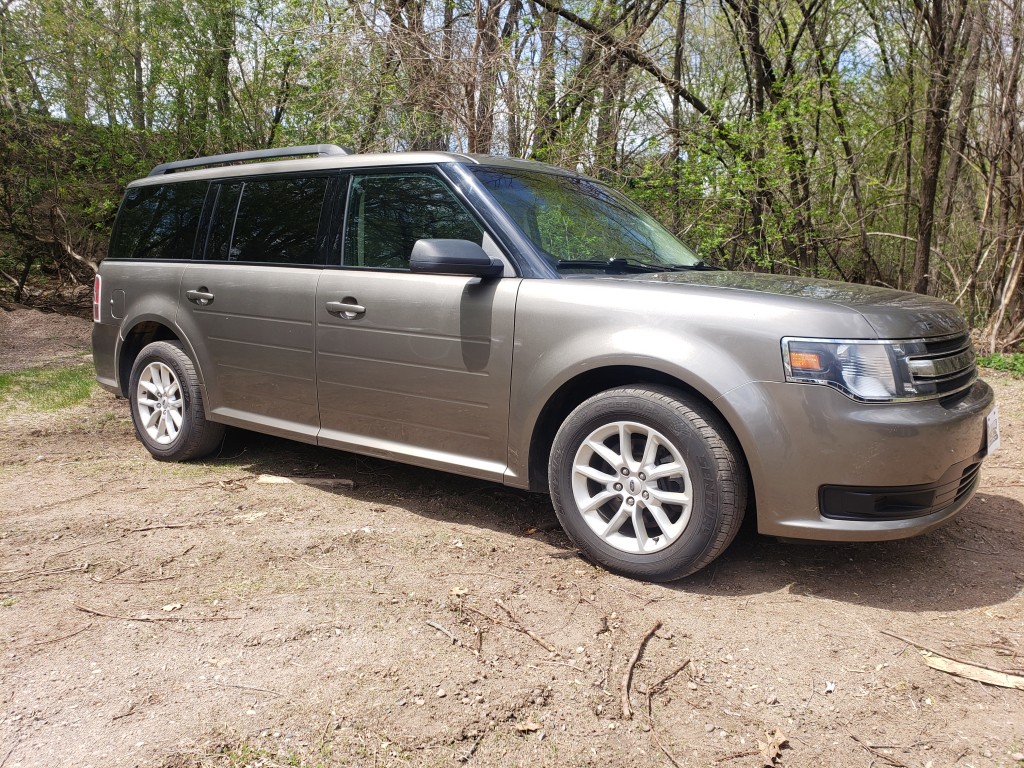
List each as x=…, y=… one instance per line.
x=202, y=297
x=347, y=309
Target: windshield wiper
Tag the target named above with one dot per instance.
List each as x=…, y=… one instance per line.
x=633, y=265
x=699, y=266
x=610, y=265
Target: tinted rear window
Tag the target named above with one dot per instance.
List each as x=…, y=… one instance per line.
x=270, y=221
x=159, y=222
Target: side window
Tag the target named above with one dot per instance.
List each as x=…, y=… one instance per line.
x=270, y=221
x=159, y=221
x=226, y=206
x=388, y=213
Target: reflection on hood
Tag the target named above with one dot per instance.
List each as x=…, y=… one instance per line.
x=927, y=315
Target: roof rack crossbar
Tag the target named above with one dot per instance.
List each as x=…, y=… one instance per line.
x=323, y=150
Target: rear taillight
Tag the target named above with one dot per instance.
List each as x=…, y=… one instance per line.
x=96, y=298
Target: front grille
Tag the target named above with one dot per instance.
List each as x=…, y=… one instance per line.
x=943, y=366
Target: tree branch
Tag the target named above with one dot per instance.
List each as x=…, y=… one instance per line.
x=628, y=52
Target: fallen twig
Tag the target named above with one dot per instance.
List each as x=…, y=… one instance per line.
x=127, y=713
x=135, y=581
x=325, y=731
x=9, y=753
x=976, y=551
x=51, y=572
x=295, y=480
x=160, y=527
x=664, y=750
x=172, y=558
x=330, y=568
x=133, y=707
x=247, y=688
x=658, y=686
x=78, y=631
x=445, y=632
x=738, y=755
x=562, y=664
x=52, y=504
x=526, y=630
x=627, y=678
x=878, y=754
x=633, y=594
x=970, y=671
x=998, y=677
x=916, y=644
x=472, y=749
x=80, y=546
x=94, y=612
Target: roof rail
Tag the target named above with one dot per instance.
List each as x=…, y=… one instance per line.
x=323, y=150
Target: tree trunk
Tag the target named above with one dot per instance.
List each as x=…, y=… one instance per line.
x=545, y=118
x=944, y=26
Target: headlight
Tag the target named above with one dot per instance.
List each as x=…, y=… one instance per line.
x=864, y=370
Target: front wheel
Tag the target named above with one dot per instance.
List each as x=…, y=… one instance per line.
x=647, y=482
x=167, y=405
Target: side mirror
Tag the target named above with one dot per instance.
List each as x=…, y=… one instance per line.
x=453, y=257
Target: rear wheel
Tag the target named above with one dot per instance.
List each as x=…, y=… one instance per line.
x=647, y=482
x=167, y=405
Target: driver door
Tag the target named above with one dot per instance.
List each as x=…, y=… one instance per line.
x=413, y=366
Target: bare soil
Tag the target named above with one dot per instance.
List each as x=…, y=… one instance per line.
x=176, y=615
x=29, y=338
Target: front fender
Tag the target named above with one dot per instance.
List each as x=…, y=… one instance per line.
x=711, y=341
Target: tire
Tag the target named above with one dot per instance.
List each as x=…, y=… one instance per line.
x=664, y=509
x=167, y=405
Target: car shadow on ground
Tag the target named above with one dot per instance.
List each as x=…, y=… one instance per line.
x=973, y=562
x=961, y=566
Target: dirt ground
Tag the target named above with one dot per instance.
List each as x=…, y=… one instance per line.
x=29, y=338
x=187, y=615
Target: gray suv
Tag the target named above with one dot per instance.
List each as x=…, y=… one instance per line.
x=521, y=324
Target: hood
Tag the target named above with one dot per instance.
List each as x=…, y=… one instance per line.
x=892, y=314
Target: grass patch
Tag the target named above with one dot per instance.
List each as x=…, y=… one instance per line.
x=1013, y=363
x=48, y=389
x=246, y=755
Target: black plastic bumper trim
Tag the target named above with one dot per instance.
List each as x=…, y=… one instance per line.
x=954, y=488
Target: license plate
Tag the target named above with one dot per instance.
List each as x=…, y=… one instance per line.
x=992, y=430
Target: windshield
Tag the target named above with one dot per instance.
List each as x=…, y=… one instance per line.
x=574, y=219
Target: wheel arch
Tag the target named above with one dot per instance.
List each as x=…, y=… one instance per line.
x=587, y=384
x=143, y=332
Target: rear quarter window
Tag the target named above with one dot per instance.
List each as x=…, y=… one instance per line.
x=159, y=222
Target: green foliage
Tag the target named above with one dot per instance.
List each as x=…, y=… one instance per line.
x=47, y=389
x=1013, y=363
x=61, y=182
x=802, y=156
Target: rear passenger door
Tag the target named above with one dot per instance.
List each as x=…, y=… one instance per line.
x=418, y=369
x=248, y=305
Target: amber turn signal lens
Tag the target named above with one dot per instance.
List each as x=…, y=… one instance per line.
x=806, y=361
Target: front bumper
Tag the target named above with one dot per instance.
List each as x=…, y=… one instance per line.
x=903, y=502
x=825, y=467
